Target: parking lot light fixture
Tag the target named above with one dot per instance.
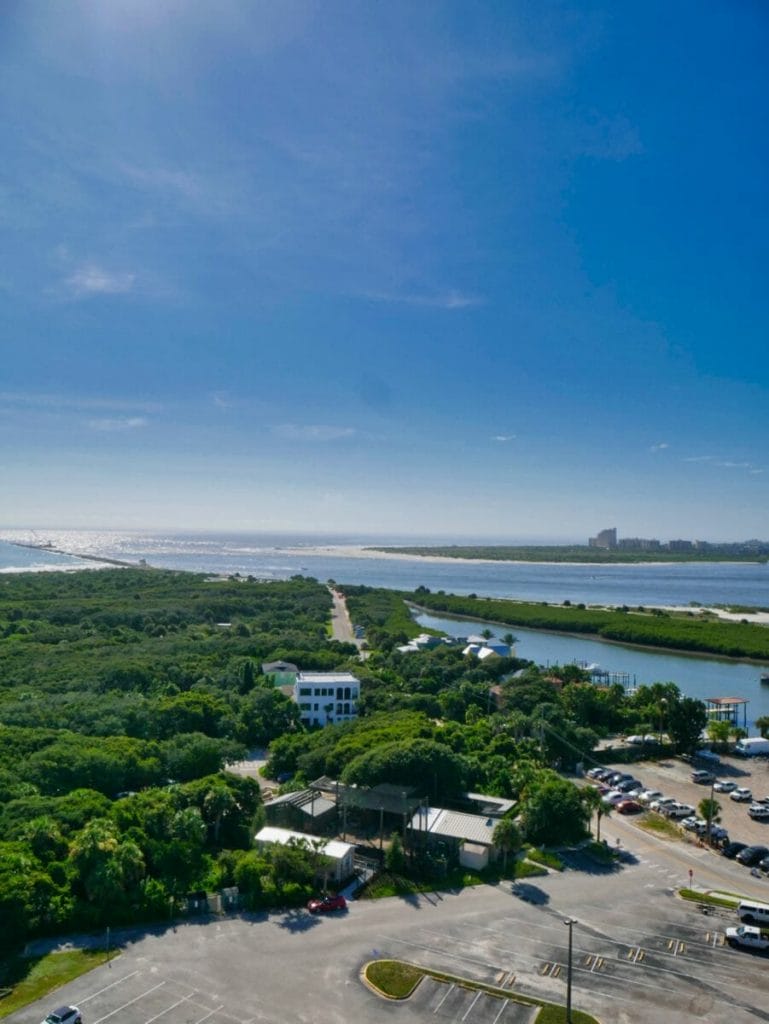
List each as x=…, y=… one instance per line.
x=569, y=922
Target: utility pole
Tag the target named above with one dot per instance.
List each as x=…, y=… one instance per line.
x=569, y=922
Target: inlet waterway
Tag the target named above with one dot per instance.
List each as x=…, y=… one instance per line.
x=695, y=676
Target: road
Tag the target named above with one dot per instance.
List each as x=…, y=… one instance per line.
x=341, y=626
x=640, y=954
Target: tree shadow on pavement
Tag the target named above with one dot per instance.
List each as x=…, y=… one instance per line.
x=298, y=921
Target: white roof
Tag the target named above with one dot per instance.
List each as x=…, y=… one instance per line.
x=333, y=848
x=457, y=825
x=340, y=678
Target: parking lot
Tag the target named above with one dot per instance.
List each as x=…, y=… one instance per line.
x=639, y=954
x=673, y=778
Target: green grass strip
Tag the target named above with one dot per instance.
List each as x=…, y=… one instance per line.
x=23, y=980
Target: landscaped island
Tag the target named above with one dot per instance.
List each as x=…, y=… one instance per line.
x=583, y=553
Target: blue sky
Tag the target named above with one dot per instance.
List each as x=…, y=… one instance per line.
x=489, y=269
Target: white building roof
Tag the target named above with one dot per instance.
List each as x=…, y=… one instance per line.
x=455, y=825
x=324, y=678
x=333, y=848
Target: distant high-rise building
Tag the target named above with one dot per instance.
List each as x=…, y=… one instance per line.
x=606, y=539
x=680, y=545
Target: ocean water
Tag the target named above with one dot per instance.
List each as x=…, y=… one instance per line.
x=279, y=556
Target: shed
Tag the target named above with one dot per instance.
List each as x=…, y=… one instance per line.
x=338, y=853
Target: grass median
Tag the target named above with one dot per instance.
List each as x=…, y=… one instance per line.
x=24, y=979
x=396, y=979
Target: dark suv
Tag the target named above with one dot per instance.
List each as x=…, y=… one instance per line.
x=751, y=855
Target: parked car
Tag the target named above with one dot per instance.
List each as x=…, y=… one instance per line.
x=678, y=811
x=662, y=803
x=64, y=1015
x=628, y=785
x=616, y=777
x=614, y=797
x=693, y=824
x=751, y=855
x=635, y=741
x=748, y=936
x=759, y=812
x=764, y=863
x=732, y=849
x=741, y=795
x=593, y=773
x=648, y=795
x=324, y=904
x=701, y=776
x=723, y=786
x=629, y=807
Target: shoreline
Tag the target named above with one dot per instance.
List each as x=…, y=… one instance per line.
x=362, y=551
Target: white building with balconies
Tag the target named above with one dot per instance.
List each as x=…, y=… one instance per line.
x=326, y=697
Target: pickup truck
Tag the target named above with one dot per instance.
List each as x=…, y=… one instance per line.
x=748, y=936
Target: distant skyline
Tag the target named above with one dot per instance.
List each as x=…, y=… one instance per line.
x=442, y=269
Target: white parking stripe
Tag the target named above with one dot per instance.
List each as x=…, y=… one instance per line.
x=502, y=1010
x=448, y=991
x=469, y=1008
x=106, y=988
x=129, y=1003
x=171, y=1007
x=210, y=1014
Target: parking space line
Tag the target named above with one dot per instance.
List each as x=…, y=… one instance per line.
x=129, y=1003
x=448, y=992
x=168, y=1008
x=478, y=995
x=502, y=1009
x=106, y=988
x=210, y=1014
x=636, y=954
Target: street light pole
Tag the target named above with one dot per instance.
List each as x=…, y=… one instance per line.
x=569, y=922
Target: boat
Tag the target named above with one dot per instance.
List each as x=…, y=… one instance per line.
x=765, y=679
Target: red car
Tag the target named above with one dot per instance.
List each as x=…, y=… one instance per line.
x=629, y=807
x=322, y=905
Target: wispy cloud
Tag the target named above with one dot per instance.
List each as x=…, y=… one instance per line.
x=660, y=446
x=46, y=400
x=222, y=400
x=312, y=432
x=449, y=300
x=91, y=279
x=503, y=437
x=720, y=463
x=110, y=425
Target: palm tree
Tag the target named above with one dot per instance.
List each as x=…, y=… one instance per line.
x=710, y=810
x=594, y=804
x=510, y=640
x=507, y=836
x=487, y=634
x=762, y=724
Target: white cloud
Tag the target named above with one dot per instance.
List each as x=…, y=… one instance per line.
x=699, y=458
x=503, y=437
x=314, y=432
x=91, y=279
x=118, y=424
x=660, y=446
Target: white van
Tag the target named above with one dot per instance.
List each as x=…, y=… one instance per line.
x=753, y=913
